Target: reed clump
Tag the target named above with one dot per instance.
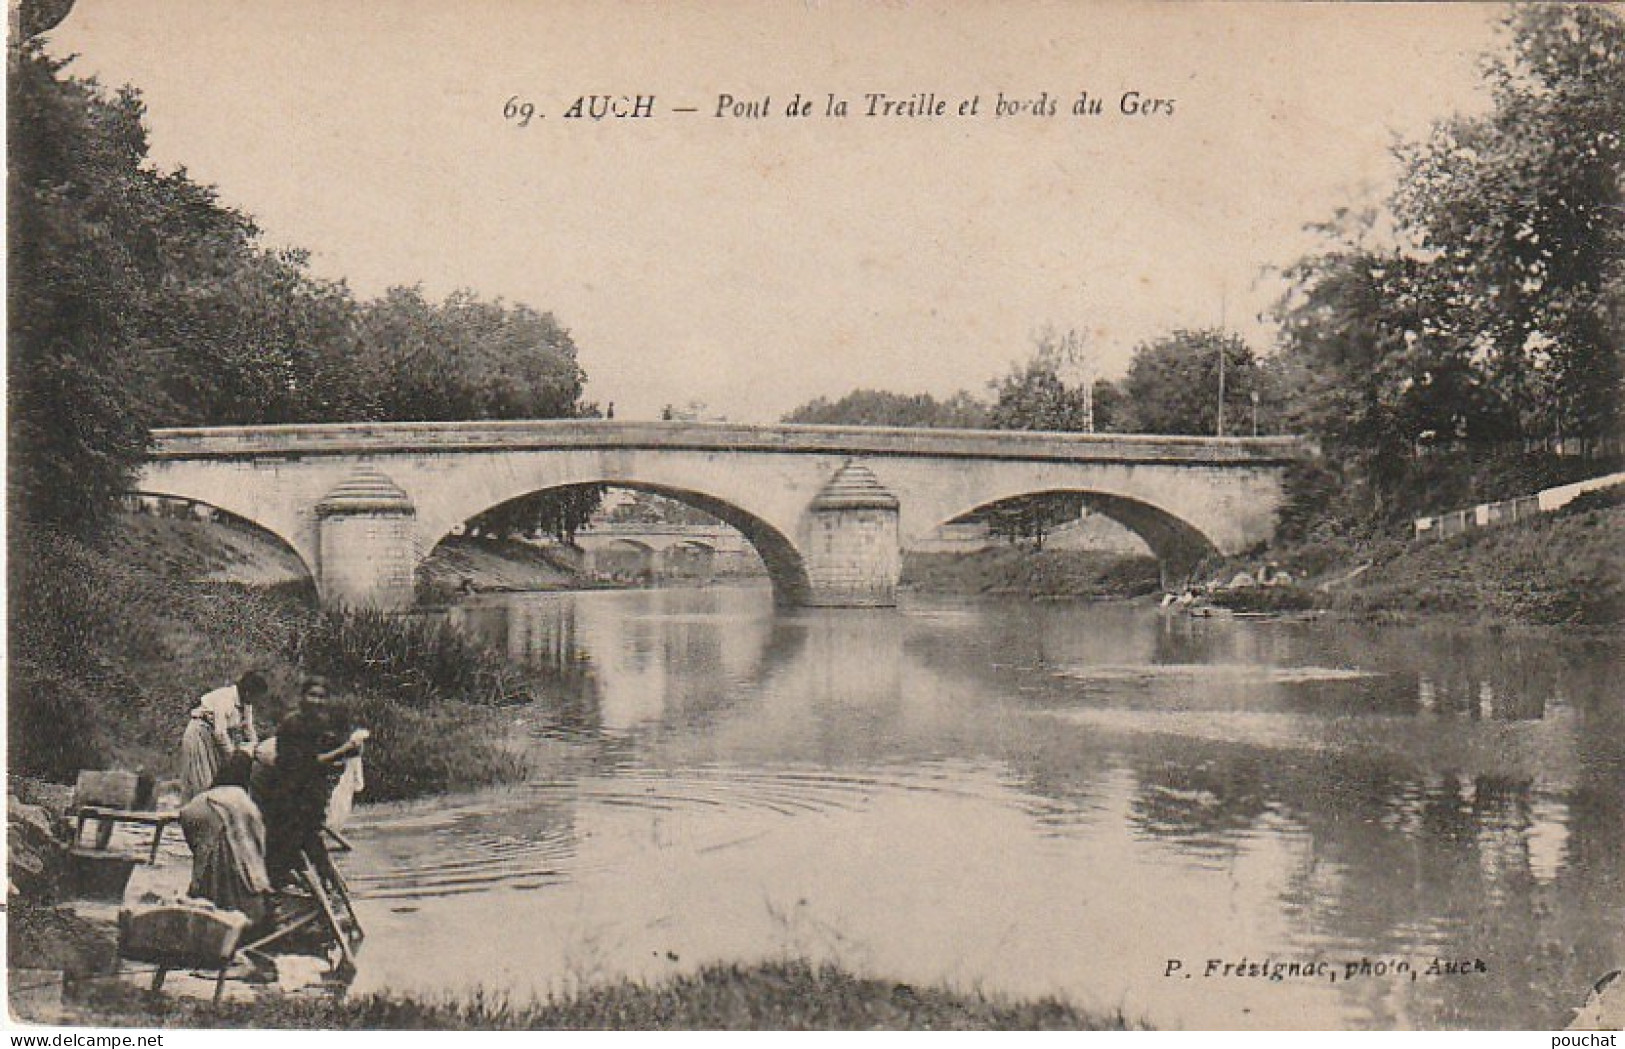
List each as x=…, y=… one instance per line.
x=414, y=659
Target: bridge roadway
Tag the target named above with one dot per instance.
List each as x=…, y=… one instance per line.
x=828, y=508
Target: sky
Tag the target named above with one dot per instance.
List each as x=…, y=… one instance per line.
x=752, y=263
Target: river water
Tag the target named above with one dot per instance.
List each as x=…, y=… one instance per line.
x=1098, y=802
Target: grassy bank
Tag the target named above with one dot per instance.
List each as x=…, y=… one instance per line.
x=112, y=643
x=1563, y=569
x=485, y=564
x=771, y=996
x=1024, y=571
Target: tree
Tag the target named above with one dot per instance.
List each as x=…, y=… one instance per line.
x=1033, y=396
x=1522, y=214
x=466, y=358
x=1036, y=396
x=557, y=512
x=1030, y=517
x=263, y=343
x=1490, y=313
x=98, y=244
x=1354, y=382
x=1173, y=384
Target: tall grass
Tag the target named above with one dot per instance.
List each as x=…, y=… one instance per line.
x=774, y=996
x=427, y=691
x=414, y=660
x=421, y=751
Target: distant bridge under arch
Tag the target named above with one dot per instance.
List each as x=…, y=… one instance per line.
x=827, y=508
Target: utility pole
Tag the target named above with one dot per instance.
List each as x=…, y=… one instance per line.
x=1088, y=395
x=1219, y=429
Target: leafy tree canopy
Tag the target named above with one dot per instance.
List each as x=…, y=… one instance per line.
x=1491, y=315
x=138, y=300
x=1173, y=384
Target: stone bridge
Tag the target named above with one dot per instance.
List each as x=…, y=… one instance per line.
x=661, y=547
x=829, y=509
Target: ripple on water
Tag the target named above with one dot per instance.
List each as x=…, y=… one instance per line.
x=526, y=840
x=1238, y=673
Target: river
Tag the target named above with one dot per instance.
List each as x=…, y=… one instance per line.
x=1097, y=802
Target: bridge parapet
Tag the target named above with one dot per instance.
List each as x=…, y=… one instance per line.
x=431, y=437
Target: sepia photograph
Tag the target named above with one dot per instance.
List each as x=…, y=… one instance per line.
x=815, y=515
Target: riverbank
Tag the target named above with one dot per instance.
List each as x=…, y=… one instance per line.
x=769, y=996
x=461, y=564
x=1564, y=569
x=1022, y=571
x=112, y=642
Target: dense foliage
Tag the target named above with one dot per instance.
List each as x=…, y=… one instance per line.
x=1173, y=384
x=96, y=243
x=114, y=649
x=137, y=300
x=1491, y=317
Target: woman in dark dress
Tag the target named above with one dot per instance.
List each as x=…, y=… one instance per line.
x=311, y=745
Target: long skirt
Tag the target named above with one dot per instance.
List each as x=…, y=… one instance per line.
x=226, y=833
x=200, y=758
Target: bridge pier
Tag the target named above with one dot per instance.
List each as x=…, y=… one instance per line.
x=853, y=554
x=367, y=553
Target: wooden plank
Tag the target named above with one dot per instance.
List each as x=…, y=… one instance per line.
x=326, y=903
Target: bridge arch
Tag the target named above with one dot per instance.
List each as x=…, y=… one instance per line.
x=268, y=531
x=785, y=566
x=1178, y=545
